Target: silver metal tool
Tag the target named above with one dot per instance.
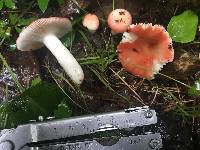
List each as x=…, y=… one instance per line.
x=25, y=135
x=140, y=142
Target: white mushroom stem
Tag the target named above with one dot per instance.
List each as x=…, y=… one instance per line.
x=65, y=58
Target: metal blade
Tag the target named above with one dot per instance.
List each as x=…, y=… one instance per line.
x=140, y=142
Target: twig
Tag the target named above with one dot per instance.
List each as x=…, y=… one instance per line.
x=64, y=79
x=63, y=89
x=178, y=91
x=175, y=80
x=139, y=98
x=107, y=84
x=154, y=96
x=101, y=8
x=113, y=4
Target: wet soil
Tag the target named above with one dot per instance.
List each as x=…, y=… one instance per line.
x=98, y=98
x=24, y=65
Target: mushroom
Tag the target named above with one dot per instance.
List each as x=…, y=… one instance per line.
x=46, y=31
x=144, y=49
x=91, y=22
x=119, y=20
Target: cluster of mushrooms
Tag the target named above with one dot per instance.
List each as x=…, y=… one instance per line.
x=143, y=50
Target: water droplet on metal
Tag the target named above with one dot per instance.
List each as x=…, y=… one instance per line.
x=40, y=118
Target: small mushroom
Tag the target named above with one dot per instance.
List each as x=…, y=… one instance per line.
x=91, y=22
x=119, y=20
x=144, y=49
x=46, y=31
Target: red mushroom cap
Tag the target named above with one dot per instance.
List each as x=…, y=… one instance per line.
x=119, y=20
x=145, y=49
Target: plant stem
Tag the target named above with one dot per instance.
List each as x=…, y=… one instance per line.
x=26, y=10
x=102, y=10
x=175, y=80
x=139, y=98
x=107, y=84
x=86, y=40
x=64, y=90
x=1, y=42
x=113, y=4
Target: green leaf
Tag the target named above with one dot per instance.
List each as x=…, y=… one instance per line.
x=1, y=4
x=12, y=47
x=61, y=2
x=3, y=29
x=43, y=4
x=36, y=81
x=3, y=23
x=19, y=111
x=63, y=111
x=2, y=33
x=195, y=89
x=19, y=30
x=7, y=32
x=10, y=4
x=68, y=39
x=13, y=18
x=25, y=22
x=182, y=28
x=39, y=100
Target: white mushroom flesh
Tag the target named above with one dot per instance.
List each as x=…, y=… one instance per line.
x=65, y=58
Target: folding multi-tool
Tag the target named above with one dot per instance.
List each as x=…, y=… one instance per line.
x=107, y=131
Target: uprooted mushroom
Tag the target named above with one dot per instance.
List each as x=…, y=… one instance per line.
x=46, y=31
x=144, y=49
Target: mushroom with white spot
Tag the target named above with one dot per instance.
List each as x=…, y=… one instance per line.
x=91, y=22
x=144, y=49
x=47, y=31
x=119, y=20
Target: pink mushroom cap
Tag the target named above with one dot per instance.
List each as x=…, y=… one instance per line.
x=31, y=37
x=119, y=20
x=144, y=49
x=91, y=22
